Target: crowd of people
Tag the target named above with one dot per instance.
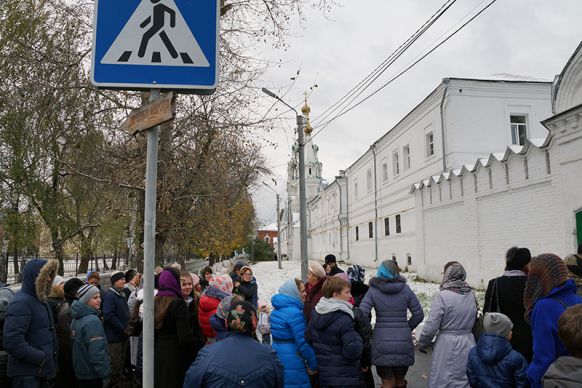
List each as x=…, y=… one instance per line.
x=211, y=330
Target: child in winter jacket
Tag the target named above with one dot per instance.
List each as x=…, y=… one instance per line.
x=493, y=362
x=90, y=353
x=566, y=371
x=264, y=326
x=331, y=332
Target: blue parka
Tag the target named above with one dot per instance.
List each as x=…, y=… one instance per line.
x=494, y=364
x=288, y=333
x=115, y=315
x=236, y=361
x=90, y=353
x=29, y=329
x=547, y=347
x=338, y=347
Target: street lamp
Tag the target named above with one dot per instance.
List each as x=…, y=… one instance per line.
x=278, y=227
x=302, y=196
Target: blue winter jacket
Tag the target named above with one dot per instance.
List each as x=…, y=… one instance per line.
x=494, y=364
x=90, y=352
x=115, y=315
x=236, y=361
x=547, y=347
x=219, y=326
x=338, y=348
x=288, y=333
x=29, y=330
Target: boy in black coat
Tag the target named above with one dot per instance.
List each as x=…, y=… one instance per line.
x=331, y=332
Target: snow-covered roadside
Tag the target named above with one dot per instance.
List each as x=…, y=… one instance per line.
x=269, y=279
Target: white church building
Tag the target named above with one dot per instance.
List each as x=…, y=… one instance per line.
x=430, y=189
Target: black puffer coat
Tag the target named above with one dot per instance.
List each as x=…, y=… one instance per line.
x=337, y=346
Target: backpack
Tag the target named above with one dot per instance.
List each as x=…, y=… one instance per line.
x=6, y=295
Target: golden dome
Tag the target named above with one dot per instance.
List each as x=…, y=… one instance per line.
x=308, y=128
x=306, y=109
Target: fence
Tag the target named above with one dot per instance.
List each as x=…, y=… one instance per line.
x=70, y=266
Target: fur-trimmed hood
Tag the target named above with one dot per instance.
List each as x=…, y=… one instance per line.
x=44, y=280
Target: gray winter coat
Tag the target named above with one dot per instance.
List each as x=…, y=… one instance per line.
x=451, y=319
x=565, y=372
x=392, y=339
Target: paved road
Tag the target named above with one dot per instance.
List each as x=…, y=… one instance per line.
x=417, y=375
x=195, y=265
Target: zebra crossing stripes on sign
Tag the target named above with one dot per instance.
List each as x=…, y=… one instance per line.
x=166, y=44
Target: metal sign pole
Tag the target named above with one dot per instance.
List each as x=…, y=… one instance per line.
x=149, y=250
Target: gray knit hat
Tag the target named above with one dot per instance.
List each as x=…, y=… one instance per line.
x=498, y=324
x=86, y=292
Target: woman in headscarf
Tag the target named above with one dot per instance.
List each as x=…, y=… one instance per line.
x=218, y=320
x=174, y=339
x=219, y=288
x=451, y=319
x=288, y=333
x=392, y=347
x=505, y=295
x=548, y=293
x=313, y=289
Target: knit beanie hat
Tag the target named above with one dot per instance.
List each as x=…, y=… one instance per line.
x=239, y=265
x=72, y=286
x=356, y=273
x=498, y=324
x=242, y=317
x=86, y=292
x=58, y=280
x=117, y=275
x=330, y=258
x=316, y=269
x=517, y=258
x=223, y=283
x=93, y=274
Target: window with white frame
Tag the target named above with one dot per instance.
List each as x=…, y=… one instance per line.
x=395, y=163
x=384, y=170
x=398, y=224
x=369, y=180
x=357, y=233
x=518, y=125
x=429, y=142
x=406, y=157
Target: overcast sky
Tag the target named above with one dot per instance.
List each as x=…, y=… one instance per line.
x=531, y=38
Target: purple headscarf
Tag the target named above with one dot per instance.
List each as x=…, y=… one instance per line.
x=170, y=283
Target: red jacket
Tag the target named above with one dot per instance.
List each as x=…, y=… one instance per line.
x=208, y=307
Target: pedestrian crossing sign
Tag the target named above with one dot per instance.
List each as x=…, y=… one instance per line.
x=156, y=44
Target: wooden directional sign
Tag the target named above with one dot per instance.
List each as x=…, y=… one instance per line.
x=154, y=113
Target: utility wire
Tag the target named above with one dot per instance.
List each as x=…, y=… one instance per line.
x=378, y=71
x=325, y=124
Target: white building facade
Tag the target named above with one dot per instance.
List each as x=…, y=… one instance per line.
x=367, y=214
x=527, y=195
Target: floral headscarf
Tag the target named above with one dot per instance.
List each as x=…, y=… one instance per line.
x=223, y=283
x=242, y=317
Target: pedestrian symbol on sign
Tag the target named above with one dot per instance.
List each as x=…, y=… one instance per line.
x=161, y=43
x=157, y=19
